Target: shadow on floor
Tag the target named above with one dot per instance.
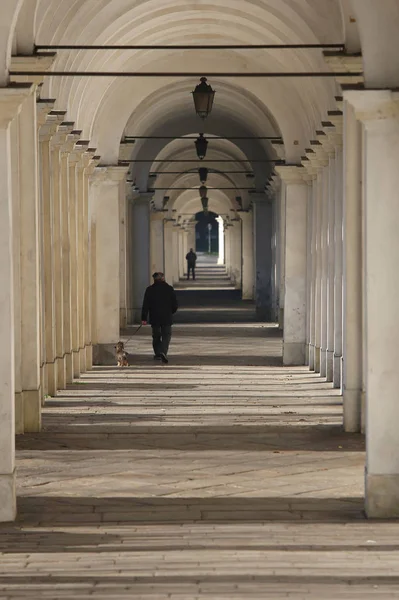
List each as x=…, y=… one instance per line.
x=45, y=510
x=193, y=438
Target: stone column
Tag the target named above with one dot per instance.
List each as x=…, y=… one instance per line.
x=123, y=257
x=16, y=259
x=157, y=242
x=74, y=159
x=66, y=259
x=30, y=276
x=10, y=102
x=247, y=255
x=105, y=184
x=181, y=253
x=46, y=133
x=312, y=265
x=281, y=217
x=379, y=112
x=352, y=276
x=140, y=250
x=296, y=199
x=56, y=143
x=91, y=161
x=263, y=231
x=331, y=247
x=324, y=269
x=81, y=224
x=338, y=259
x=175, y=251
x=236, y=254
x=220, y=240
x=168, y=249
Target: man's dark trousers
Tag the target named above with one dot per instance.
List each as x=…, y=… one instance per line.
x=192, y=269
x=161, y=336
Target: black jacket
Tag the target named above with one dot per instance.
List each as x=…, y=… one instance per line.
x=160, y=303
x=191, y=258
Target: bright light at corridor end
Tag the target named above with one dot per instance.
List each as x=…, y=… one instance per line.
x=203, y=96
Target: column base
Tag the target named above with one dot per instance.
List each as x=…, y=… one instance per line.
x=19, y=413
x=311, y=357
x=104, y=355
x=32, y=411
x=337, y=379
x=382, y=496
x=293, y=354
x=89, y=357
x=8, y=499
x=51, y=369
x=68, y=368
x=61, y=373
x=76, y=364
x=352, y=401
x=323, y=362
x=317, y=359
x=330, y=366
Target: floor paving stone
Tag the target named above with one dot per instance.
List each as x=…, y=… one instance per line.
x=221, y=475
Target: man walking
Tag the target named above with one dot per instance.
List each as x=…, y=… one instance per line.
x=160, y=303
x=191, y=259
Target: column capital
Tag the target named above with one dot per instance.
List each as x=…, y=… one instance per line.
x=141, y=197
x=109, y=174
x=11, y=100
x=345, y=63
x=44, y=107
x=32, y=64
x=373, y=105
x=291, y=173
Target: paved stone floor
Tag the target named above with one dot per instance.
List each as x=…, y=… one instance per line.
x=219, y=476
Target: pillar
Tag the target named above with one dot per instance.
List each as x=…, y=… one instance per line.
x=30, y=275
x=140, y=251
x=73, y=161
x=157, y=242
x=338, y=262
x=296, y=200
x=236, y=254
x=168, y=250
x=10, y=103
x=324, y=270
x=352, y=275
x=220, y=240
x=263, y=220
x=379, y=113
x=58, y=276
x=247, y=255
x=123, y=257
x=281, y=217
x=312, y=265
x=46, y=133
x=105, y=184
x=331, y=252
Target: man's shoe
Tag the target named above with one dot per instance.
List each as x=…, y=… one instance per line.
x=157, y=357
x=164, y=359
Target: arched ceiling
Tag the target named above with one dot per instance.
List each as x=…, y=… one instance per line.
x=103, y=106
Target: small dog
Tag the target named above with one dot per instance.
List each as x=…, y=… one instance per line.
x=121, y=355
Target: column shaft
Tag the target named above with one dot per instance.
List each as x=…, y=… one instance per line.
x=247, y=255
x=30, y=273
x=331, y=250
x=338, y=283
x=352, y=276
x=263, y=230
x=141, y=251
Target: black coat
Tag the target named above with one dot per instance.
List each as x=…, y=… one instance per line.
x=160, y=303
x=191, y=258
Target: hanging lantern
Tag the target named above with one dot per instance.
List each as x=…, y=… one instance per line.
x=201, y=145
x=203, y=96
x=203, y=174
x=204, y=202
x=203, y=191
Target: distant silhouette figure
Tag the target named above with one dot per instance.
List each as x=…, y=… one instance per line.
x=191, y=259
